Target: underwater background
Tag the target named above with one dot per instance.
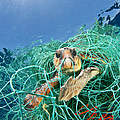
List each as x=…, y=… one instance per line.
x=30, y=33
x=24, y=21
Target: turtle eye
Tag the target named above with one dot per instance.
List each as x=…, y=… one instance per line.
x=74, y=52
x=58, y=55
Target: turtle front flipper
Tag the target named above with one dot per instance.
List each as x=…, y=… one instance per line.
x=32, y=101
x=73, y=87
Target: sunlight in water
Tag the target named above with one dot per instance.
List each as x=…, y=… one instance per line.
x=26, y=2
x=45, y=5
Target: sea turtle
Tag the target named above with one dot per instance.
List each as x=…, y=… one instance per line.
x=68, y=61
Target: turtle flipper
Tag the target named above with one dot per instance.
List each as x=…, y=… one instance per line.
x=32, y=101
x=73, y=87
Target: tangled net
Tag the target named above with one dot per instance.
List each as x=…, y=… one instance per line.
x=24, y=70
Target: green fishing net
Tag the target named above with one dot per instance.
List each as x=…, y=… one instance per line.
x=32, y=66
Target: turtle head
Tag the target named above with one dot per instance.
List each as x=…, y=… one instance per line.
x=67, y=60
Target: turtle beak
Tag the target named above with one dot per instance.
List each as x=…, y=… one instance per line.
x=68, y=63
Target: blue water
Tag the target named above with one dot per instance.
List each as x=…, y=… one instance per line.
x=24, y=21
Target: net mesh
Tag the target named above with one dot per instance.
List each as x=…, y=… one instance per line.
x=23, y=70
